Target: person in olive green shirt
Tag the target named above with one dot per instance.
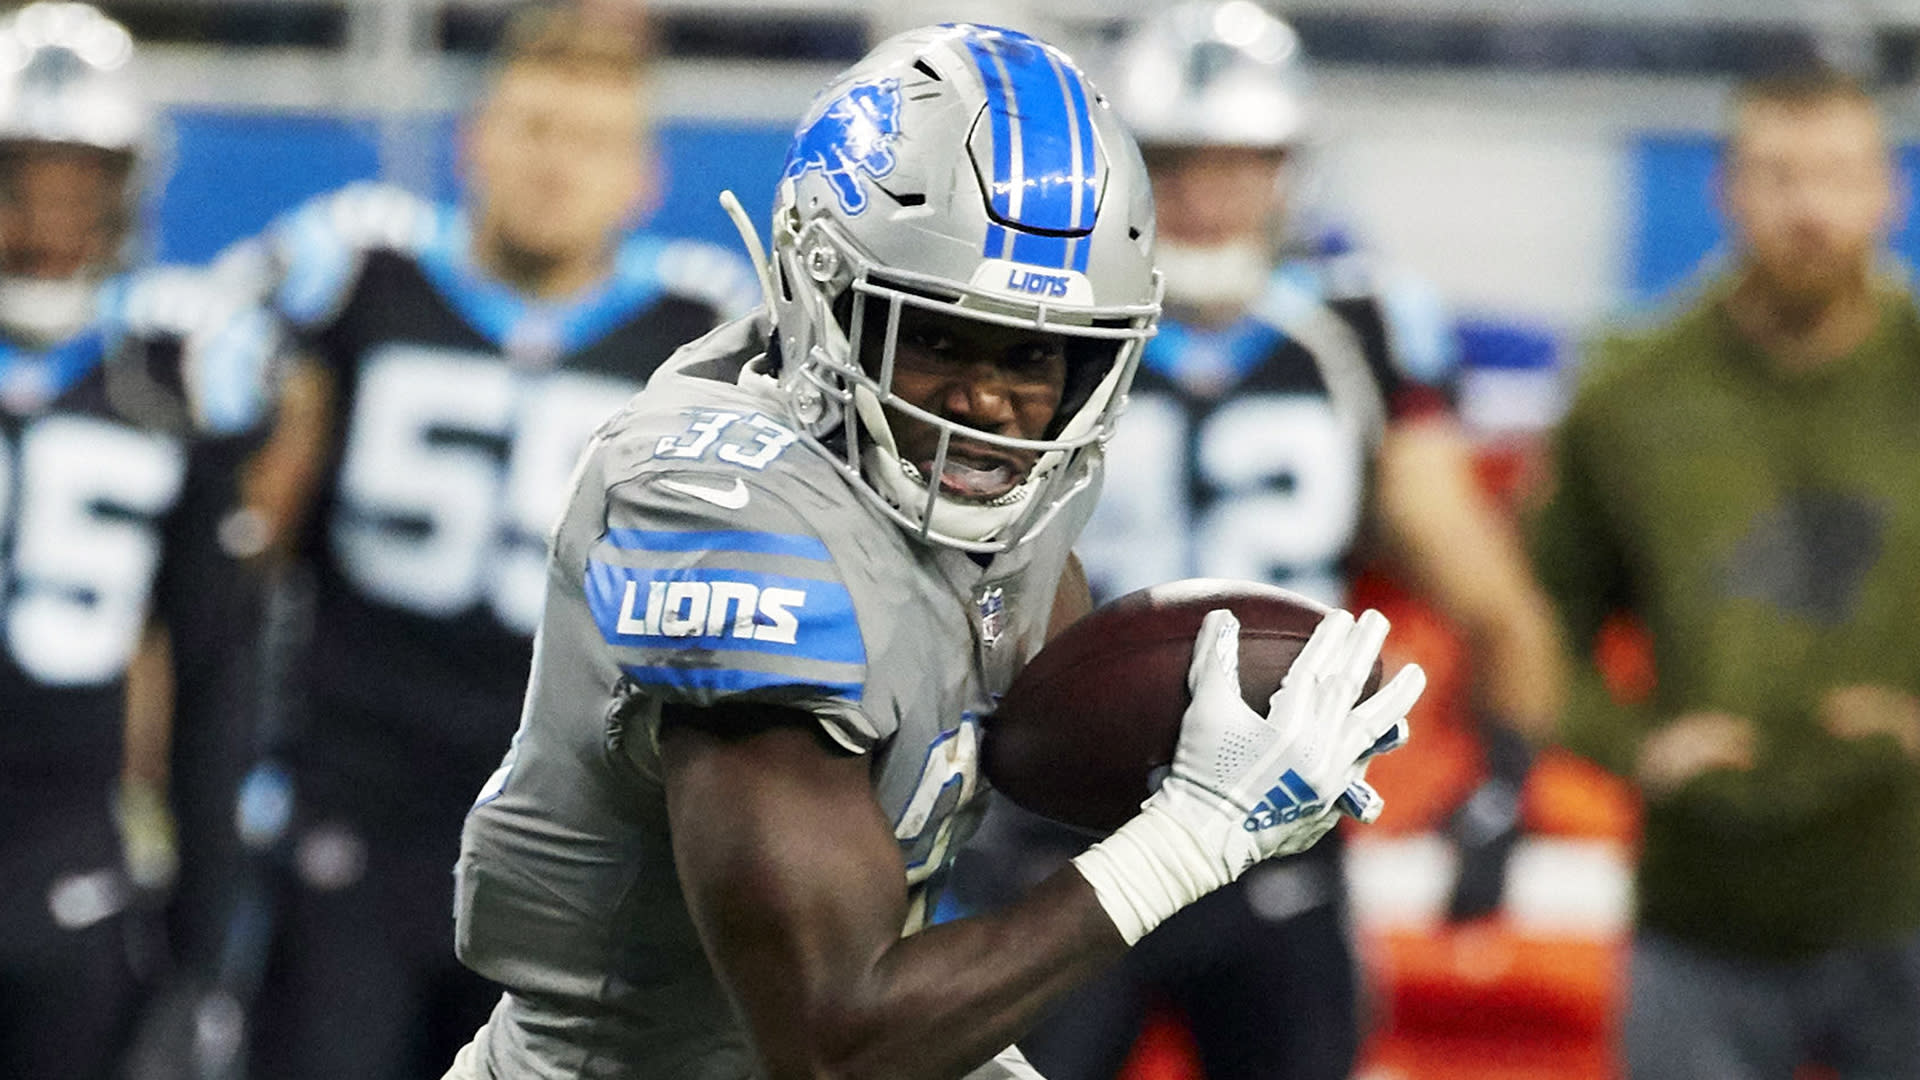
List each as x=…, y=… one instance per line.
x=1745, y=480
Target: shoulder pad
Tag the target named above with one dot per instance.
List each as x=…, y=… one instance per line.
x=227, y=344
x=313, y=253
x=708, y=587
x=1421, y=341
x=1420, y=326
x=707, y=273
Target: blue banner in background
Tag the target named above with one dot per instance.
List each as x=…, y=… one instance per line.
x=1676, y=223
x=232, y=171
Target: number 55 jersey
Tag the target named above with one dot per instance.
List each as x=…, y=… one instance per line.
x=459, y=407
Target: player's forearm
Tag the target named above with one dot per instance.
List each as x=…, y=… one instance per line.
x=1520, y=670
x=1463, y=555
x=279, y=483
x=149, y=720
x=1521, y=675
x=946, y=1000
x=795, y=883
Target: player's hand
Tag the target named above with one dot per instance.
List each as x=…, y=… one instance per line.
x=1693, y=744
x=149, y=845
x=1861, y=710
x=1246, y=787
x=1272, y=785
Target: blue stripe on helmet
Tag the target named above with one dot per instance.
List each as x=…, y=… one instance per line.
x=1041, y=131
x=994, y=77
x=998, y=242
x=1086, y=189
x=1035, y=249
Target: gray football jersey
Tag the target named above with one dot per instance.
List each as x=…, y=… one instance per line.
x=707, y=555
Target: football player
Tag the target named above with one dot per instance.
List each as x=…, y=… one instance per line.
x=792, y=578
x=125, y=395
x=1287, y=410
x=455, y=362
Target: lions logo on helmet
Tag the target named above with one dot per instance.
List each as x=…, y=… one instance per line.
x=854, y=136
x=1030, y=208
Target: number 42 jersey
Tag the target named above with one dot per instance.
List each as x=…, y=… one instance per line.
x=708, y=556
x=1247, y=447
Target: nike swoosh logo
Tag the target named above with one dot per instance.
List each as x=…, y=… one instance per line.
x=733, y=498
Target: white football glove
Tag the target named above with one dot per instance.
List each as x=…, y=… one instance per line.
x=1244, y=787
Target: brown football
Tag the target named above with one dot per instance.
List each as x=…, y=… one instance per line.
x=1085, y=731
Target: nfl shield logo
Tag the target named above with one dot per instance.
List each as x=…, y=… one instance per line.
x=993, y=615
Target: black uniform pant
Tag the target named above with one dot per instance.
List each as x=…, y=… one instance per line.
x=1262, y=972
x=361, y=980
x=67, y=989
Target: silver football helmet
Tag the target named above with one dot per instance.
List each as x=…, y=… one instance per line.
x=972, y=171
x=1220, y=74
x=1213, y=74
x=64, y=81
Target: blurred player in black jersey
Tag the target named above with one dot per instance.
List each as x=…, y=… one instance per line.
x=1290, y=415
x=455, y=362
x=124, y=398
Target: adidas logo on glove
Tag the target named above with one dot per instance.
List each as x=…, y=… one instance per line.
x=1288, y=800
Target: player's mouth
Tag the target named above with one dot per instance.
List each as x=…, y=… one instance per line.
x=977, y=474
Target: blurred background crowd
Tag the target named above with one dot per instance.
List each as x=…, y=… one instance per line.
x=306, y=307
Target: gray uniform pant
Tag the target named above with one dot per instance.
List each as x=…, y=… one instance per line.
x=1009, y=1065
x=1699, y=1015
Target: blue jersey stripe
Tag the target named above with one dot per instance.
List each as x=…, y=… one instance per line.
x=708, y=609
x=319, y=265
x=753, y=543
x=733, y=680
x=1181, y=350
